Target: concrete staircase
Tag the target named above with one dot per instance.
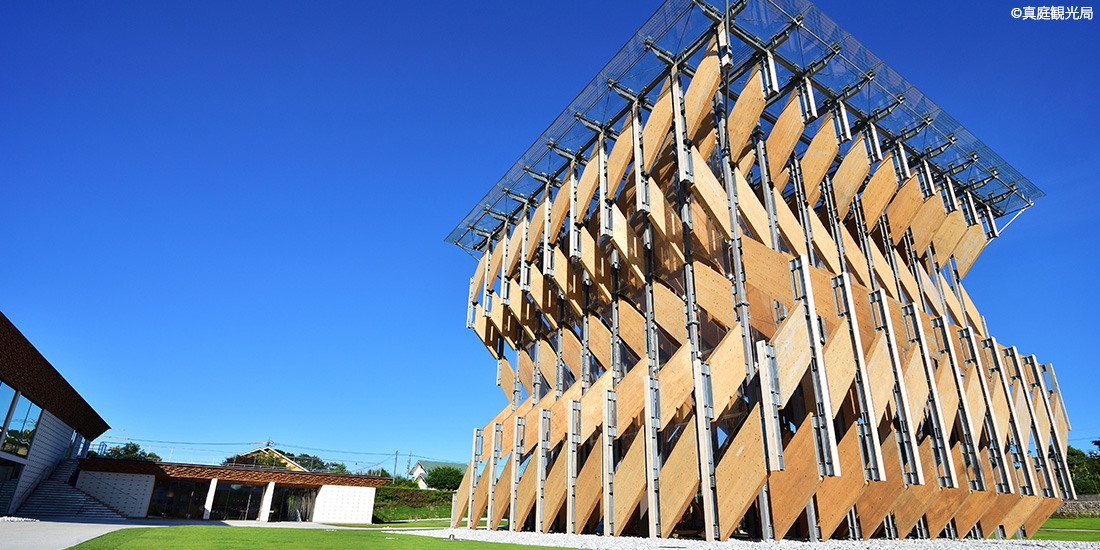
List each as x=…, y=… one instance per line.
x=54, y=498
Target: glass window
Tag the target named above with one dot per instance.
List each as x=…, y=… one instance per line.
x=178, y=499
x=6, y=393
x=237, y=501
x=23, y=425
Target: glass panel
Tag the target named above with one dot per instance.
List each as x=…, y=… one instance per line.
x=6, y=393
x=233, y=501
x=23, y=425
x=178, y=499
x=293, y=504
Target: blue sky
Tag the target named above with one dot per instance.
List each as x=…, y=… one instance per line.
x=224, y=222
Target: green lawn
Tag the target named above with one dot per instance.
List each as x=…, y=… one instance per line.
x=1077, y=529
x=203, y=537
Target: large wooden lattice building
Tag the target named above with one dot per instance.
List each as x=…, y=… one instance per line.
x=724, y=295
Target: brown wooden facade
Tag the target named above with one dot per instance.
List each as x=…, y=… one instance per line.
x=720, y=323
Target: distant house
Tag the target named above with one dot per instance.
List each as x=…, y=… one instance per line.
x=265, y=456
x=420, y=470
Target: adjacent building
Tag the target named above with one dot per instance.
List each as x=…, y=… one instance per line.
x=419, y=472
x=138, y=489
x=46, y=419
x=723, y=296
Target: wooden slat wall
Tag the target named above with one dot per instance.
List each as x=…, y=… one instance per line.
x=740, y=466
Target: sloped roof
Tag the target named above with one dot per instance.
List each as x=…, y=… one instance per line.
x=24, y=368
x=429, y=465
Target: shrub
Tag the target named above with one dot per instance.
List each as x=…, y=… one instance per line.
x=444, y=478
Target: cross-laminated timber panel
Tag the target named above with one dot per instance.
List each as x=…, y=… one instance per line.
x=652, y=298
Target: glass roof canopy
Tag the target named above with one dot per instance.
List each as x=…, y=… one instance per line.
x=678, y=24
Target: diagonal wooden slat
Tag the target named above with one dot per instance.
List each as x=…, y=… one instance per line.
x=740, y=473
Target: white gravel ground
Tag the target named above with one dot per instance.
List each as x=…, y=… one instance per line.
x=596, y=542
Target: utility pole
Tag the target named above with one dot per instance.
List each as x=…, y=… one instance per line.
x=393, y=476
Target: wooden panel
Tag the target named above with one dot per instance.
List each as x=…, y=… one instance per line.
x=999, y=403
x=669, y=312
x=534, y=230
x=972, y=312
x=589, y=490
x=974, y=508
x=853, y=254
x=840, y=364
x=752, y=210
x=525, y=369
x=592, y=406
x=1040, y=515
x=546, y=361
x=676, y=384
x=727, y=368
x=632, y=328
x=626, y=241
x=679, y=478
x=478, y=278
x=553, y=492
x=714, y=293
x=825, y=245
x=514, y=245
x=792, y=352
x=619, y=158
x=849, y=177
x=462, y=496
x=976, y=401
x=880, y=189
x=745, y=113
x=1042, y=421
x=914, y=500
x=571, y=351
x=599, y=340
x=481, y=496
x=949, y=395
x=880, y=373
x=596, y=265
x=948, y=234
x=927, y=220
x=903, y=207
x=657, y=126
x=1020, y=512
x=954, y=307
x=916, y=383
x=1002, y=505
x=944, y=507
x=712, y=194
x=879, y=497
x=792, y=489
x=739, y=474
x=667, y=224
x=502, y=495
x=629, y=394
x=629, y=483
x=700, y=93
x=785, y=133
x=818, y=158
x=507, y=378
x=969, y=247
x=838, y=494
x=788, y=224
x=769, y=271
x=525, y=492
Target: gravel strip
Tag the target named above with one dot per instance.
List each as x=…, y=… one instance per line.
x=596, y=542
